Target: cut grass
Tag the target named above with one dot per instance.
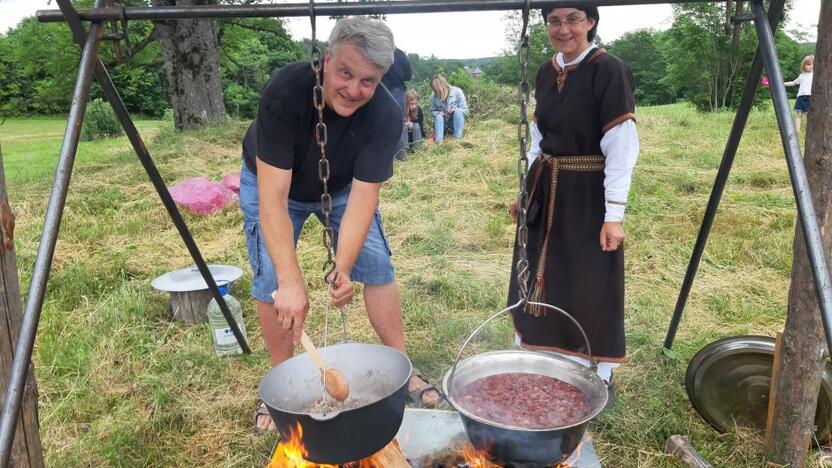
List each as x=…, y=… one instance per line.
x=120, y=385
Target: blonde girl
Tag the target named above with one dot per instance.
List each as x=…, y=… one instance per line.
x=804, y=81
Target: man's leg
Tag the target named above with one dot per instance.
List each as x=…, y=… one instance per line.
x=384, y=308
x=264, y=279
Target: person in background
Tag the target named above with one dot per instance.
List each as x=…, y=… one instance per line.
x=804, y=90
x=581, y=159
x=394, y=80
x=280, y=188
x=414, y=120
x=448, y=107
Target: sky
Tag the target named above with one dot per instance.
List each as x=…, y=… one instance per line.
x=469, y=34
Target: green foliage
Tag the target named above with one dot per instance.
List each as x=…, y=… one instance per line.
x=251, y=49
x=424, y=68
x=641, y=51
x=100, y=121
x=506, y=69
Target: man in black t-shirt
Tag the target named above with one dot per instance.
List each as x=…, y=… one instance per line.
x=280, y=188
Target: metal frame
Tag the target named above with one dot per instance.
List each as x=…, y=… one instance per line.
x=91, y=66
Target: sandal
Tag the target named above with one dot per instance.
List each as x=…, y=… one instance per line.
x=260, y=411
x=415, y=396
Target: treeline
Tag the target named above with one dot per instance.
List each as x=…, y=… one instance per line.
x=38, y=64
x=694, y=60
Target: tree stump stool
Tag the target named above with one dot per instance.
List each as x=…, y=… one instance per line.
x=189, y=295
x=190, y=307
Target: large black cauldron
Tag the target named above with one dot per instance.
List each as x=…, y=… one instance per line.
x=378, y=376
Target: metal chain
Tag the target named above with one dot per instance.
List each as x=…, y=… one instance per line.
x=523, y=135
x=321, y=139
x=323, y=166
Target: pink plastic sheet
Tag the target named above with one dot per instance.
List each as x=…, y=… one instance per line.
x=232, y=182
x=202, y=196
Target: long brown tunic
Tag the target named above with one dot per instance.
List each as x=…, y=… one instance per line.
x=575, y=107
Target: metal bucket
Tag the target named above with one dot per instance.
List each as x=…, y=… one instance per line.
x=377, y=374
x=504, y=443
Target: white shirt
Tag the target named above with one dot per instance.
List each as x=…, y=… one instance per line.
x=805, y=82
x=620, y=147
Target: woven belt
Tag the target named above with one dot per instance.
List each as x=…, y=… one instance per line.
x=587, y=163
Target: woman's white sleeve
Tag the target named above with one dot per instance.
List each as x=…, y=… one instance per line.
x=620, y=147
x=534, y=147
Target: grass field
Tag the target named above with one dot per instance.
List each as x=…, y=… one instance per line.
x=121, y=385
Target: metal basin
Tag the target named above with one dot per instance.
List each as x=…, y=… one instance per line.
x=539, y=447
x=377, y=374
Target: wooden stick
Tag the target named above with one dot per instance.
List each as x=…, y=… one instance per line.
x=772, y=389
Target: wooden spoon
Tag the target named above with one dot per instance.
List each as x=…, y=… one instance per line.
x=334, y=381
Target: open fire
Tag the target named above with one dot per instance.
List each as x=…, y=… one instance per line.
x=290, y=453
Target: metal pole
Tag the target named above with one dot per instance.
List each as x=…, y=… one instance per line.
x=46, y=248
x=746, y=103
x=797, y=172
x=321, y=9
x=110, y=92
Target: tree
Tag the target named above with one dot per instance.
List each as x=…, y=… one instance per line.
x=641, y=51
x=802, y=359
x=506, y=68
x=190, y=48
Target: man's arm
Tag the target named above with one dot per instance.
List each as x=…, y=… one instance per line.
x=291, y=301
x=361, y=207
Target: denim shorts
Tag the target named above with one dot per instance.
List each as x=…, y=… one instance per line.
x=802, y=104
x=373, y=265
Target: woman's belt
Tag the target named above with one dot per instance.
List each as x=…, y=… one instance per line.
x=584, y=163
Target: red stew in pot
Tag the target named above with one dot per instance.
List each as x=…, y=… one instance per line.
x=525, y=400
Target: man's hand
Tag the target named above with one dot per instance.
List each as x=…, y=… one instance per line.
x=341, y=289
x=291, y=303
x=612, y=235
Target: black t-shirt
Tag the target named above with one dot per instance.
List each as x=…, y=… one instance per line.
x=360, y=146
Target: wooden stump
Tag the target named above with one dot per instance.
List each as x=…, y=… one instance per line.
x=190, y=307
x=26, y=448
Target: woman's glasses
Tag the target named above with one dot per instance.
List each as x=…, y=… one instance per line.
x=570, y=21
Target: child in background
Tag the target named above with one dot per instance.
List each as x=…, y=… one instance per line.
x=804, y=81
x=413, y=120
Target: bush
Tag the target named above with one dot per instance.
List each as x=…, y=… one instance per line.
x=100, y=121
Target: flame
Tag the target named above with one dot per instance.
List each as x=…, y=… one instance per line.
x=290, y=453
x=476, y=458
x=576, y=455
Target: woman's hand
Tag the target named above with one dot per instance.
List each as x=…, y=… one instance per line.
x=612, y=235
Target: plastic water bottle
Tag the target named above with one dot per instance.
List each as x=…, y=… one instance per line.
x=225, y=343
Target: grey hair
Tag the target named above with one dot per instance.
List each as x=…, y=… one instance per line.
x=372, y=38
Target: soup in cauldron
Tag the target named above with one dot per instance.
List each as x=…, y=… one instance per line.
x=529, y=401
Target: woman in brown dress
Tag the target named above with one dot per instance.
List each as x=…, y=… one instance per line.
x=584, y=148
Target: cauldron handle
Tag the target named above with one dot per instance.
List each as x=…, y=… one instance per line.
x=592, y=364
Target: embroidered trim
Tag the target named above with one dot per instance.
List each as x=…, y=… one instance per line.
x=582, y=163
x=599, y=52
x=620, y=119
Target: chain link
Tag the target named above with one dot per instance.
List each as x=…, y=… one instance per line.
x=523, y=136
x=323, y=163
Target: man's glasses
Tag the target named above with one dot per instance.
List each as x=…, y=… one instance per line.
x=570, y=21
